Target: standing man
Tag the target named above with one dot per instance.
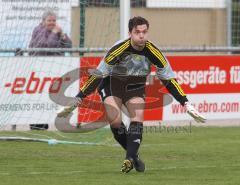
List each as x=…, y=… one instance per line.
x=121, y=79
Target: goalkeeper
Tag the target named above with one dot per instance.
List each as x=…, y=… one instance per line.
x=120, y=78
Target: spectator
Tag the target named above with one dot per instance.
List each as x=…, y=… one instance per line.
x=48, y=34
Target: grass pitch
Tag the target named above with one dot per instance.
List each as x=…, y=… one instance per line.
x=204, y=156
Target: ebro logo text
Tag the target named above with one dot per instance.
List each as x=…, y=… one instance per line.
x=36, y=85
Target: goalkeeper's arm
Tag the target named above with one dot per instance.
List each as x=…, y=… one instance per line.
x=166, y=75
x=91, y=84
x=87, y=89
x=175, y=89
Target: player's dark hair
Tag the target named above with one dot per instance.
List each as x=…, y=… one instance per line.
x=135, y=21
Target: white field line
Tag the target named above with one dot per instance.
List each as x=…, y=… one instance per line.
x=194, y=167
x=43, y=172
x=80, y=171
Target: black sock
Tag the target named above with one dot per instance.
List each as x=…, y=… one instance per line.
x=134, y=138
x=120, y=135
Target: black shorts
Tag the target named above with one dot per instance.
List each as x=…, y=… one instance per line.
x=123, y=87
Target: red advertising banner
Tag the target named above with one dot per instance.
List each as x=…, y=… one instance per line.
x=207, y=74
x=195, y=74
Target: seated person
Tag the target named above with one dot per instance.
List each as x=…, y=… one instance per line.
x=48, y=34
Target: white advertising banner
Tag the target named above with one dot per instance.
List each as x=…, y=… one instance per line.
x=26, y=86
x=19, y=17
x=212, y=106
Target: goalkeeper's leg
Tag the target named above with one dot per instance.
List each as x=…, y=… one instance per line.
x=135, y=108
x=113, y=109
x=125, y=138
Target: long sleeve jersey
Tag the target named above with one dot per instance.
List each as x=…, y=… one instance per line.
x=123, y=60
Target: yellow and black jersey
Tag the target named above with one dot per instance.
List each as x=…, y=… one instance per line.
x=125, y=61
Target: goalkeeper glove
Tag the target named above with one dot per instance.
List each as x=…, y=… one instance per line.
x=194, y=113
x=65, y=111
